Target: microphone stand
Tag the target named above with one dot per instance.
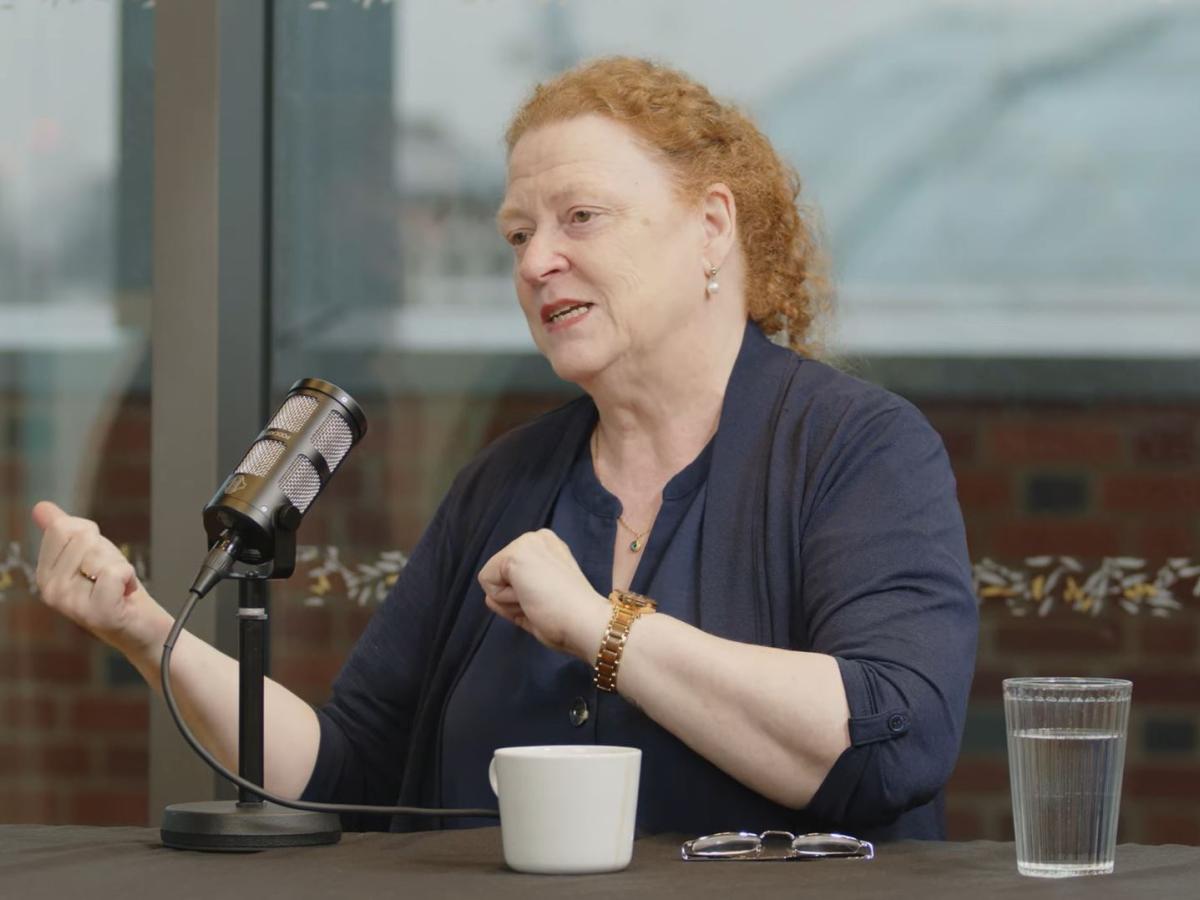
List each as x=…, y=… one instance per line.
x=249, y=823
x=251, y=525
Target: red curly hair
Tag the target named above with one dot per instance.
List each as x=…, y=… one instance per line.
x=704, y=141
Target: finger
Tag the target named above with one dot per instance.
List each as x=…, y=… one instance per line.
x=81, y=542
x=491, y=578
x=503, y=610
x=113, y=559
x=46, y=513
x=506, y=597
x=54, y=537
x=91, y=564
x=109, y=586
x=105, y=560
x=61, y=535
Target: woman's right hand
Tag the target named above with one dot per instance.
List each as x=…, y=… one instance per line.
x=114, y=606
x=118, y=610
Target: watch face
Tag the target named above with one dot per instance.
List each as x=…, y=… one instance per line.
x=636, y=601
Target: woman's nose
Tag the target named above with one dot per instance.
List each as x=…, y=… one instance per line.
x=541, y=257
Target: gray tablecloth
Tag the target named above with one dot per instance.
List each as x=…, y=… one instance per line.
x=130, y=864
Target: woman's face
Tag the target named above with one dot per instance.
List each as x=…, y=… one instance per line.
x=608, y=262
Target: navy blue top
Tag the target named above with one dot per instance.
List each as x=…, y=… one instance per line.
x=516, y=691
x=828, y=524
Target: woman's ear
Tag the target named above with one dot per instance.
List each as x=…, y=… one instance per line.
x=720, y=223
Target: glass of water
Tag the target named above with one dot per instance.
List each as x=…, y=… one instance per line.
x=1066, y=753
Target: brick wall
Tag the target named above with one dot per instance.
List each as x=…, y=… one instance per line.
x=1092, y=481
x=1087, y=481
x=1162, y=769
x=73, y=714
x=73, y=723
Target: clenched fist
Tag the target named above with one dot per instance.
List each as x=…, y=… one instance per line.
x=536, y=584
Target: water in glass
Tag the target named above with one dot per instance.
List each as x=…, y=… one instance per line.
x=1066, y=747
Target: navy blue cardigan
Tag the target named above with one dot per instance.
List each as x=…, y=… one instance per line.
x=831, y=525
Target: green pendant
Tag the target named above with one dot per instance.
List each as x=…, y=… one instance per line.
x=635, y=545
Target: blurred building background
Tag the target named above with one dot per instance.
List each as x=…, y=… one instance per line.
x=1008, y=192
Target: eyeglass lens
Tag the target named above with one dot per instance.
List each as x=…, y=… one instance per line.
x=831, y=845
x=729, y=843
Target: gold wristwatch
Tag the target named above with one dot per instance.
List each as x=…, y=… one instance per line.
x=627, y=607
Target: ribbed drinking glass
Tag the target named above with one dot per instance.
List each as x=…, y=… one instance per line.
x=1066, y=753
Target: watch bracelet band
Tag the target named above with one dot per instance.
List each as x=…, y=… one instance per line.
x=627, y=608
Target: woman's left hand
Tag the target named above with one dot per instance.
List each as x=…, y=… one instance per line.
x=536, y=584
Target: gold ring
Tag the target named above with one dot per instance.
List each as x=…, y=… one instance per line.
x=88, y=575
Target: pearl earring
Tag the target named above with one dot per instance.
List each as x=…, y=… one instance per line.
x=713, y=285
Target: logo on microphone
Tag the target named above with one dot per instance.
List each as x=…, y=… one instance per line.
x=237, y=484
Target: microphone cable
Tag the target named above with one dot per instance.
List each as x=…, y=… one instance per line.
x=216, y=766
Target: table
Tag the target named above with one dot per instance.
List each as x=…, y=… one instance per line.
x=74, y=862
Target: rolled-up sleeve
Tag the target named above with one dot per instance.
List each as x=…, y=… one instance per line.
x=886, y=590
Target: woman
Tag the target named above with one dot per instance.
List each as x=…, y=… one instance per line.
x=808, y=662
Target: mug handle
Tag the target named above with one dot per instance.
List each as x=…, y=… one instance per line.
x=492, y=777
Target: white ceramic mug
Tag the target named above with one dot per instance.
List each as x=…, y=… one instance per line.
x=566, y=810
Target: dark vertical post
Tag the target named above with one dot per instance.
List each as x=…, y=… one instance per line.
x=252, y=622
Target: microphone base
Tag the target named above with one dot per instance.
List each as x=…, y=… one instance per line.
x=228, y=826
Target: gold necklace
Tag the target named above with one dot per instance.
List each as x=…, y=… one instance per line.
x=636, y=544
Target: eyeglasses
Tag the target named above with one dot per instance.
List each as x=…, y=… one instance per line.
x=746, y=846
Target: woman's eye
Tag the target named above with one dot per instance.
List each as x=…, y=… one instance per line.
x=518, y=238
x=580, y=216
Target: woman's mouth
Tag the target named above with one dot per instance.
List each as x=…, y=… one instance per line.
x=564, y=313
